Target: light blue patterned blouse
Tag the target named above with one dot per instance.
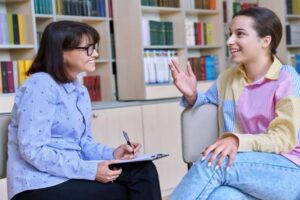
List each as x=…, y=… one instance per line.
x=50, y=137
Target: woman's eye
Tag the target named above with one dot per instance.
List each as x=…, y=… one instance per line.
x=240, y=34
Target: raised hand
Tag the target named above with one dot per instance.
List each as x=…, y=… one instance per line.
x=185, y=82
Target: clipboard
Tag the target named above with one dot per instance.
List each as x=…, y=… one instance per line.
x=137, y=159
x=143, y=158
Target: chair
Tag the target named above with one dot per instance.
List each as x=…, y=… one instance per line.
x=199, y=129
x=4, y=121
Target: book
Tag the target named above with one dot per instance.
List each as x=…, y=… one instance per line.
x=21, y=28
x=16, y=29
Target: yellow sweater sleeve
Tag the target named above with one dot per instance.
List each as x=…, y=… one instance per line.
x=282, y=133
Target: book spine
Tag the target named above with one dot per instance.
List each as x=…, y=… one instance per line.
x=21, y=28
x=4, y=76
x=10, y=77
x=16, y=29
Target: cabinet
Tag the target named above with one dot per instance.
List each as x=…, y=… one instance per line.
x=162, y=133
x=156, y=126
x=108, y=125
x=34, y=24
x=128, y=26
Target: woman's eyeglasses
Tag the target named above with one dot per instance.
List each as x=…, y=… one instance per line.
x=89, y=48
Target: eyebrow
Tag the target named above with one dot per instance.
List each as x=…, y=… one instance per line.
x=239, y=29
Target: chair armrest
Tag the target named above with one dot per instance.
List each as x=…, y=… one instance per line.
x=199, y=129
x=4, y=121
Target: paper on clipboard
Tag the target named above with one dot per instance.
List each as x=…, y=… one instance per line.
x=144, y=157
x=139, y=158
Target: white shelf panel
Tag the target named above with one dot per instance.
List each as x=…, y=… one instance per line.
x=202, y=12
x=160, y=10
x=6, y=102
x=170, y=91
x=8, y=46
x=81, y=18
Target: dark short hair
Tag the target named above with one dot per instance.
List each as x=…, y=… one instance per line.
x=266, y=22
x=58, y=37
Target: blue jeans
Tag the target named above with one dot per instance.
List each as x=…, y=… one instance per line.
x=253, y=175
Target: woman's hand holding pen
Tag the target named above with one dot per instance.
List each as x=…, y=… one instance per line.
x=104, y=174
x=126, y=151
x=186, y=82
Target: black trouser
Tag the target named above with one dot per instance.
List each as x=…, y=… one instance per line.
x=138, y=181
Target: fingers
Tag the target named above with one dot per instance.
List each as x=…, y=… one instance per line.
x=174, y=66
x=190, y=70
x=214, y=155
x=219, y=151
x=230, y=162
x=136, y=147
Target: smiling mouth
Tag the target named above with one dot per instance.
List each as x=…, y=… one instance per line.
x=234, y=51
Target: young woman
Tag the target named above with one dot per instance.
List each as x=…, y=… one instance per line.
x=258, y=153
x=50, y=141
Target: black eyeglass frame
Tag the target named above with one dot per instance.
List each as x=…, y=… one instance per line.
x=90, y=48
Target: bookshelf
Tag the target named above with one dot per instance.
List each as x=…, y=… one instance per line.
x=130, y=47
x=35, y=23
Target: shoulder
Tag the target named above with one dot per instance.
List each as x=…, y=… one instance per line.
x=289, y=77
x=37, y=84
x=229, y=74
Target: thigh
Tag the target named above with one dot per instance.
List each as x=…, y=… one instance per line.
x=226, y=192
x=77, y=190
x=261, y=175
x=265, y=176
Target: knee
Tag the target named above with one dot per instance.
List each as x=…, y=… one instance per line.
x=149, y=168
x=226, y=192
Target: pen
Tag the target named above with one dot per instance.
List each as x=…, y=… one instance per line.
x=126, y=138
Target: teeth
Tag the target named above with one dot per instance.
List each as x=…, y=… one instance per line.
x=234, y=50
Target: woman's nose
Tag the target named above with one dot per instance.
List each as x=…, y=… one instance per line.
x=230, y=40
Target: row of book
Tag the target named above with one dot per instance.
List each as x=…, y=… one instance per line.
x=81, y=7
x=43, y=7
x=157, y=32
x=11, y=26
x=205, y=67
x=294, y=60
x=13, y=74
x=161, y=3
x=293, y=34
x=236, y=7
x=93, y=85
x=206, y=4
x=198, y=33
x=293, y=7
x=156, y=70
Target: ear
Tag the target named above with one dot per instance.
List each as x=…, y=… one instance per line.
x=266, y=41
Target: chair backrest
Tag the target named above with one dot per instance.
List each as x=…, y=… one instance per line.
x=4, y=121
x=199, y=129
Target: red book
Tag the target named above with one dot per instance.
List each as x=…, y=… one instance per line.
x=202, y=68
x=10, y=77
x=199, y=33
x=98, y=88
x=86, y=82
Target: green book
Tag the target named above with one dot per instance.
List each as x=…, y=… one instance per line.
x=10, y=28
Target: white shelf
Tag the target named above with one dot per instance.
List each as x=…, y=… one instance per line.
x=202, y=12
x=8, y=46
x=160, y=10
x=6, y=102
